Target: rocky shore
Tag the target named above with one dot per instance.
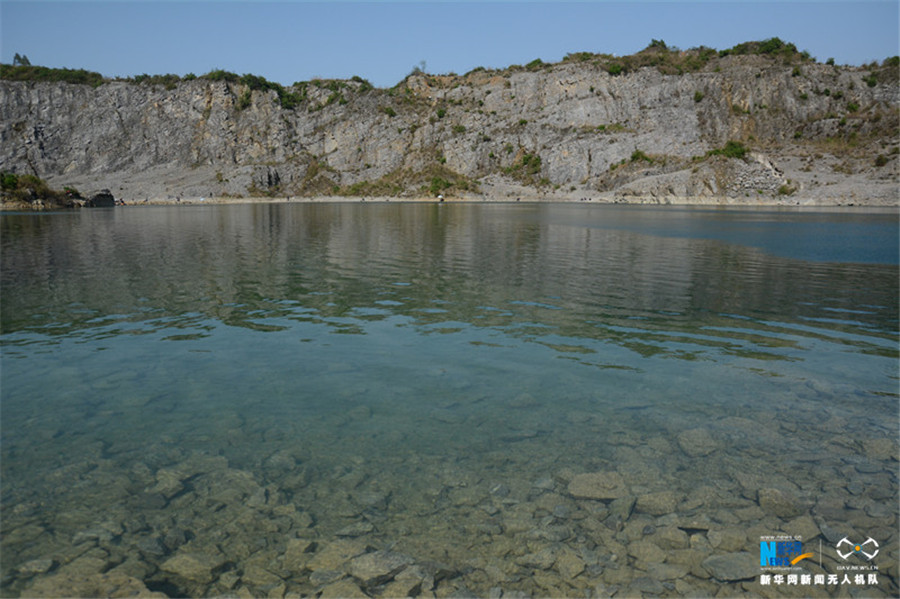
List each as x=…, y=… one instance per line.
x=294, y=522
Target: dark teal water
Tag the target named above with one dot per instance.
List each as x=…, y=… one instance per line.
x=427, y=356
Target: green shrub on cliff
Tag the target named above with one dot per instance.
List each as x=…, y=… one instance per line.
x=29, y=188
x=9, y=181
x=732, y=149
x=33, y=73
x=773, y=46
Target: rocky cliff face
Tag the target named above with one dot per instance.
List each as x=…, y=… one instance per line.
x=816, y=133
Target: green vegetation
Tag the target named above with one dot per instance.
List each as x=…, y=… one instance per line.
x=388, y=111
x=578, y=56
x=168, y=81
x=612, y=128
x=638, y=155
x=459, y=129
x=732, y=149
x=698, y=96
x=786, y=190
x=432, y=181
x=33, y=190
x=774, y=47
x=31, y=73
x=244, y=99
x=526, y=168
x=881, y=160
x=288, y=100
x=852, y=107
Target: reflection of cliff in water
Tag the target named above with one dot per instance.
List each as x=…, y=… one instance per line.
x=507, y=266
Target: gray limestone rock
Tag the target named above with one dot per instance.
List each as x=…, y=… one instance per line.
x=198, y=140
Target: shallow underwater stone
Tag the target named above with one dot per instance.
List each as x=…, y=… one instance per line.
x=672, y=537
x=297, y=553
x=569, y=565
x=779, y=503
x=72, y=584
x=647, y=552
x=258, y=571
x=151, y=546
x=344, y=589
x=657, y=504
x=697, y=442
x=666, y=571
x=645, y=584
x=36, y=566
x=541, y=560
x=333, y=555
x=357, y=529
x=323, y=577
x=727, y=540
x=194, y=566
x=168, y=483
x=378, y=567
x=804, y=527
x=881, y=449
x=598, y=485
x=732, y=566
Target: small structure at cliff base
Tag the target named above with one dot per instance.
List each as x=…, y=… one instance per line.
x=102, y=199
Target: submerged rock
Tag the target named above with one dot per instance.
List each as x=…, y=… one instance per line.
x=36, y=566
x=697, y=442
x=657, y=504
x=569, y=565
x=194, y=566
x=72, y=584
x=357, y=529
x=732, y=566
x=598, y=485
x=344, y=589
x=335, y=554
x=378, y=567
x=779, y=503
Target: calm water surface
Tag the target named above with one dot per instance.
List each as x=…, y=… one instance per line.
x=282, y=400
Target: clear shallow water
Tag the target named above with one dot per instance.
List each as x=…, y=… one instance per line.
x=220, y=381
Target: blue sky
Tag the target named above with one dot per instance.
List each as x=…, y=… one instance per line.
x=294, y=40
